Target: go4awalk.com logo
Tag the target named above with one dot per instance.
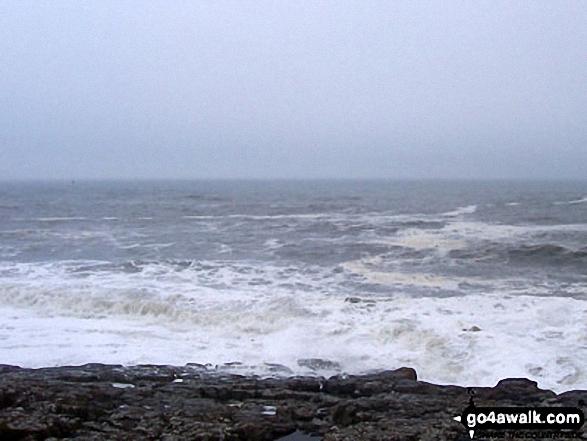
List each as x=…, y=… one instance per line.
x=522, y=422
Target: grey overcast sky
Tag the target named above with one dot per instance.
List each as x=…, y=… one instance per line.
x=293, y=89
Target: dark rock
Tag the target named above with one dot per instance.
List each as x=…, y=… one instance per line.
x=369, y=302
x=345, y=414
x=279, y=368
x=516, y=390
x=318, y=364
x=574, y=398
x=96, y=402
x=403, y=373
x=298, y=435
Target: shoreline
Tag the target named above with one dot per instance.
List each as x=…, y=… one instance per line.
x=99, y=402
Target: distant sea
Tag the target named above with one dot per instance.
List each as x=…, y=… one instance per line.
x=468, y=282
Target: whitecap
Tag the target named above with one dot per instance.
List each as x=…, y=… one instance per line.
x=578, y=201
x=469, y=209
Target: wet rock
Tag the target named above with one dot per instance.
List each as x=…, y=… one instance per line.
x=298, y=435
x=573, y=398
x=80, y=402
x=516, y=390
x=316, y=364
x=369, y=302
x=279, y=369
x=345, y=414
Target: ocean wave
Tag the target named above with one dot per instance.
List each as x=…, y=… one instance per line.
x=457, y=340
x=370, y=270
x=525, y=253
x=574, y=201
x=205, y=197
x=548, y=251
x=578, y=201
x=60, y=219
x=469, y=209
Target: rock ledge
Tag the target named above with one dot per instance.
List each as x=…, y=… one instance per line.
x=103, y=402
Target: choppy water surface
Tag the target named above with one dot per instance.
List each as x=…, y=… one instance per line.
x=468, y=282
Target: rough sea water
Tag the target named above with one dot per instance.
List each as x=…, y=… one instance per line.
x=467, y=282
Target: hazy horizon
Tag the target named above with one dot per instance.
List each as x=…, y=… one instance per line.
x=154, y=90
x=301, y=180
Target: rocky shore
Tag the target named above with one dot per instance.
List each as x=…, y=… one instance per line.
x=103, y=402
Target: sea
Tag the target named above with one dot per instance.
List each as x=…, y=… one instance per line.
x=468, y=282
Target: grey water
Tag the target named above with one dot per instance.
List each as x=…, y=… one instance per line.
x=467, y=282
x=488, y=230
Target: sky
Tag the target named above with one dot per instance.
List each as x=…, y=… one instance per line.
x=116, y=89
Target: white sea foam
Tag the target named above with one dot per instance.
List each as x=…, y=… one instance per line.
x=575, y=201
x=457, y=234
x=218, y=313
x=440, y=240
x=255, y=217
x=60, y=219
x=393, y=278
x=578, y=201
x=461, y=210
